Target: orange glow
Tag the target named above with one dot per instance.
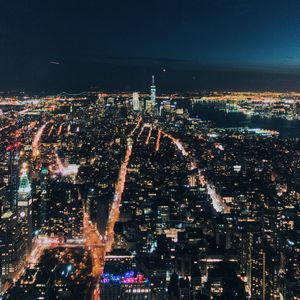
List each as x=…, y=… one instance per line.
x=140, y=133
x=158, y=140
x=51, y=130
x=136, y=127
x=100, y=246
x=115, y=210
x=36, y=140
x=176, y=142
x=59, y=130
x=149, y=136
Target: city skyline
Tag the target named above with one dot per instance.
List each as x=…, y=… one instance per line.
x=149, y=196
x=150, y=150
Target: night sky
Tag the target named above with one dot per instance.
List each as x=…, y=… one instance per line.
x=57, y=45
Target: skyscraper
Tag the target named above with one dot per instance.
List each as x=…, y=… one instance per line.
x=153, y=92
x=12, y=246
x=25, y=208
x=135, y=101
x=12, y=154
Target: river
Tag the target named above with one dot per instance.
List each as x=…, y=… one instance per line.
x=224, y=119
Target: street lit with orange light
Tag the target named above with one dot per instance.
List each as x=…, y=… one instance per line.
x=158, y=140
x=59, y=130
x=176, y=142
x=134, y=196
x=136, y=126
x=36, y=140
x=141, y=131
x=98, y=245
x=95, y=243
x=149, y=135
x=115, y=209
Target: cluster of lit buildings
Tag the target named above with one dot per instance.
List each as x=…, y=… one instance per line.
x=206, y=213
x=264, y=105
x=16, y=225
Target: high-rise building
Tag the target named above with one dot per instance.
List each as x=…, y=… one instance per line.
x=258, y=287
x=73, y=216
x=25, y=208
x=135, y=101
x=153, y=92
x=12, y=246
x=40, y=200
x=265, y=269
x=142, y=104
x=101, y=104
x=149, y=105
x=3, y=198
x=12, y=152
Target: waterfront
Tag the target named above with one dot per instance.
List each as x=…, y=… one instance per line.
x=224, y=119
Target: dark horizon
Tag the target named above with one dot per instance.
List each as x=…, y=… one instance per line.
x=179, y=81
x=188, y=45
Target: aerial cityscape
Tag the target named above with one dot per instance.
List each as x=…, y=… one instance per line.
x=150, y=150
x=126, y=196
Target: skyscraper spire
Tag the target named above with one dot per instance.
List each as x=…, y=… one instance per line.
x=153, y=92
x=25, y=208
x=24, y=186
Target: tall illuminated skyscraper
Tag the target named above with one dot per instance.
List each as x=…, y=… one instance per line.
x=12, y=154
x=153, y=92
x=135, y=101
x=25, y=208
x=12, y=246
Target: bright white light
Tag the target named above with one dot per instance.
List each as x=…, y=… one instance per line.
x=71, y=170
x=216, y=199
